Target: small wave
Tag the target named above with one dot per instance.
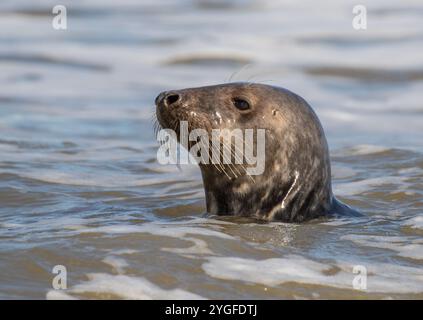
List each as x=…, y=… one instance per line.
x=343, y=41
x=89, y=179
x=43, y=59
x=118, y=264
x=414, y=223
x=160, y=229
x=226, y=4
x=374, y=75
x=292, y=268
x=27, y=144
x=407, y=247
x=209, y=60
x=199, y=247
x=121, y=286
x=367, y=185
x=365, y=149
x=342, y=172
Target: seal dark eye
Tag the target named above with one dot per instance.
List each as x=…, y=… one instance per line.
x=241, y=104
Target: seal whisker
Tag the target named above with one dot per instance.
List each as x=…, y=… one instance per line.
x=230, y=165
x=232, y=155
x=219, y=163
x=237, y=157
x=241, y=163
x=255, y=76
x=210, y=157
x=156, y=128
x=213, y=150
x=224, y=171
x=245, y=66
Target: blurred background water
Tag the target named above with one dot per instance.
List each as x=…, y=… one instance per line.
x=80, y=185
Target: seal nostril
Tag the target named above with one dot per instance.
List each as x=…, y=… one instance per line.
x=171, y=99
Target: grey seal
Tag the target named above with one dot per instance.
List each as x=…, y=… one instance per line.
x=295, y=185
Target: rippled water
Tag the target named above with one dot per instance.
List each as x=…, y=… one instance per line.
x=80, y=185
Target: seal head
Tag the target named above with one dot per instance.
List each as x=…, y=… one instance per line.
x=295, y=184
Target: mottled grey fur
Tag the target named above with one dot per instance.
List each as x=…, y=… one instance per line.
x=296, y=183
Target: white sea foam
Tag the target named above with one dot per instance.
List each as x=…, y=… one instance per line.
x=124, y=287
x=365, y=149
x=63, y=223
x=339, y=221
x=360, y=186
x=381, y=277
x=124, y=251
x=408, y=247
x=93, y=179
x=159, y=229
x=415, y=223
x=118, y=264
x=199, y=247
x=59, y=295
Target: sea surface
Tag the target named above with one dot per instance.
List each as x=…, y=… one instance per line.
x=80, y=185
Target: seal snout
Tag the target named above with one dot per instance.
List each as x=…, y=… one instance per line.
x=168, y=99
